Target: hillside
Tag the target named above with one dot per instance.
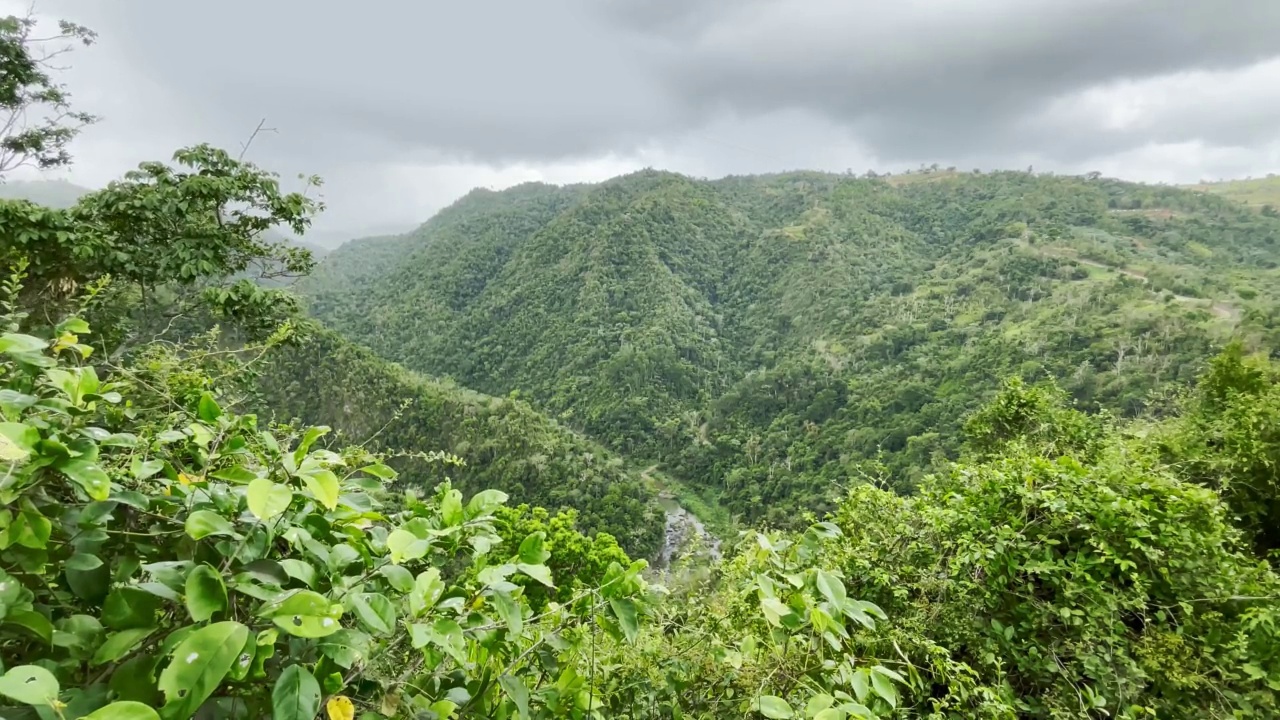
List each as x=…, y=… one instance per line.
x=506, y=444
x=51, y=193
x=766, y=337
x=1257, y=193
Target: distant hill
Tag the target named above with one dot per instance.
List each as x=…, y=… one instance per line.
x=51, y=193
x=771, y=338
x=1255, y=192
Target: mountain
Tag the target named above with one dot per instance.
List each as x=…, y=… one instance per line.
x=505, y=444
x=769, y=339
x=53, y=193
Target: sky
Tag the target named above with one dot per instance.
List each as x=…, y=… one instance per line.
x=402, y=106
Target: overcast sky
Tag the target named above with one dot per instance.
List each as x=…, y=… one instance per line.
x=404, y=105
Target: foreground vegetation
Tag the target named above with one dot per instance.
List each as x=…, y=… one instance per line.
x=167, y=550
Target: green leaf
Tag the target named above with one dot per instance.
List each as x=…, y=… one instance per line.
x=884, y=687
x=17, y=440
x=303, y=613
x=774, y=610
x=208, y=409
x=346, y=647
x=200, y=662
x=427, y=589
x=299, y=570
x=206, y=593
x=296, y=695
x=324, y=486
x=509, y=610
x=83, y=562
x=861, y=684
x=129, y=607
x=143, y=469
x=532, y=551
x=772, y=706
x=375, y=612
x=518, y=693
x=625, y=610
x=87, y=475
x=404, y=545
x=126, y=710
x=380, y=471
x=237, y=474
x=268, y=499
x=203, y=523
x=16, y=343
x=31, y=621
x=120, y=644
x=308, y=438
x=451, y=508
x=485, y=502
x=818, y=703
x=541, y=573
x=30, y=684
x=832, y=588
x=397, y=577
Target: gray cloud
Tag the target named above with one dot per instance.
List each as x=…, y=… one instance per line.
x=403, y=104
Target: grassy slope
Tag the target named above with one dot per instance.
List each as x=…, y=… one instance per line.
x=1254, y=192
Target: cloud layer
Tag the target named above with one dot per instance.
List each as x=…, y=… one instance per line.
x=405, y=104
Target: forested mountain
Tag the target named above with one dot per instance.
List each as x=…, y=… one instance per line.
x=772, y=338
x=503, y=443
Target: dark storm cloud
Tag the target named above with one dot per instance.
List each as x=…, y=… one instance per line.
x=503, y=80
x=404, y=104
x=916, y=78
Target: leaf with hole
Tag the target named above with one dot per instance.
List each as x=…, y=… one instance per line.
x=30, y=684
x=199, y=664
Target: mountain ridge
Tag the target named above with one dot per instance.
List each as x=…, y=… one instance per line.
x=768, y=338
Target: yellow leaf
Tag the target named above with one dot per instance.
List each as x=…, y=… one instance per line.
x=339, y=707
x=186, y=479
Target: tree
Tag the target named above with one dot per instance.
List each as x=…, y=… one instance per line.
x=36, y=119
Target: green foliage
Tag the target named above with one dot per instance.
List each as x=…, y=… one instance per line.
x=503, y=443
x=39, y=121
x=1227, y=437
x=767, y=339
x=143, y=561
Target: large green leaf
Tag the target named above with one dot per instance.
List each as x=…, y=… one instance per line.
x=541, y=573
x=199, y=664
x=120, y=644
x=296, y=695
x=304, y=613
x=87, y=475
x=883, y=686
x=375, y=612
x=30, y=684
x=427, y=590
x=126, y=710
x=404, y=545
x=775, y=708
x=518, y=693
x=129, y=607
x=832, y=588
x=324, y=485
x=204, y=523
x=268, y=499
x=532, y=551
x=205, y=592
x=17, y=440
x=485, y=502
x=397, y=577
x=625, y=610
x=451, y=508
